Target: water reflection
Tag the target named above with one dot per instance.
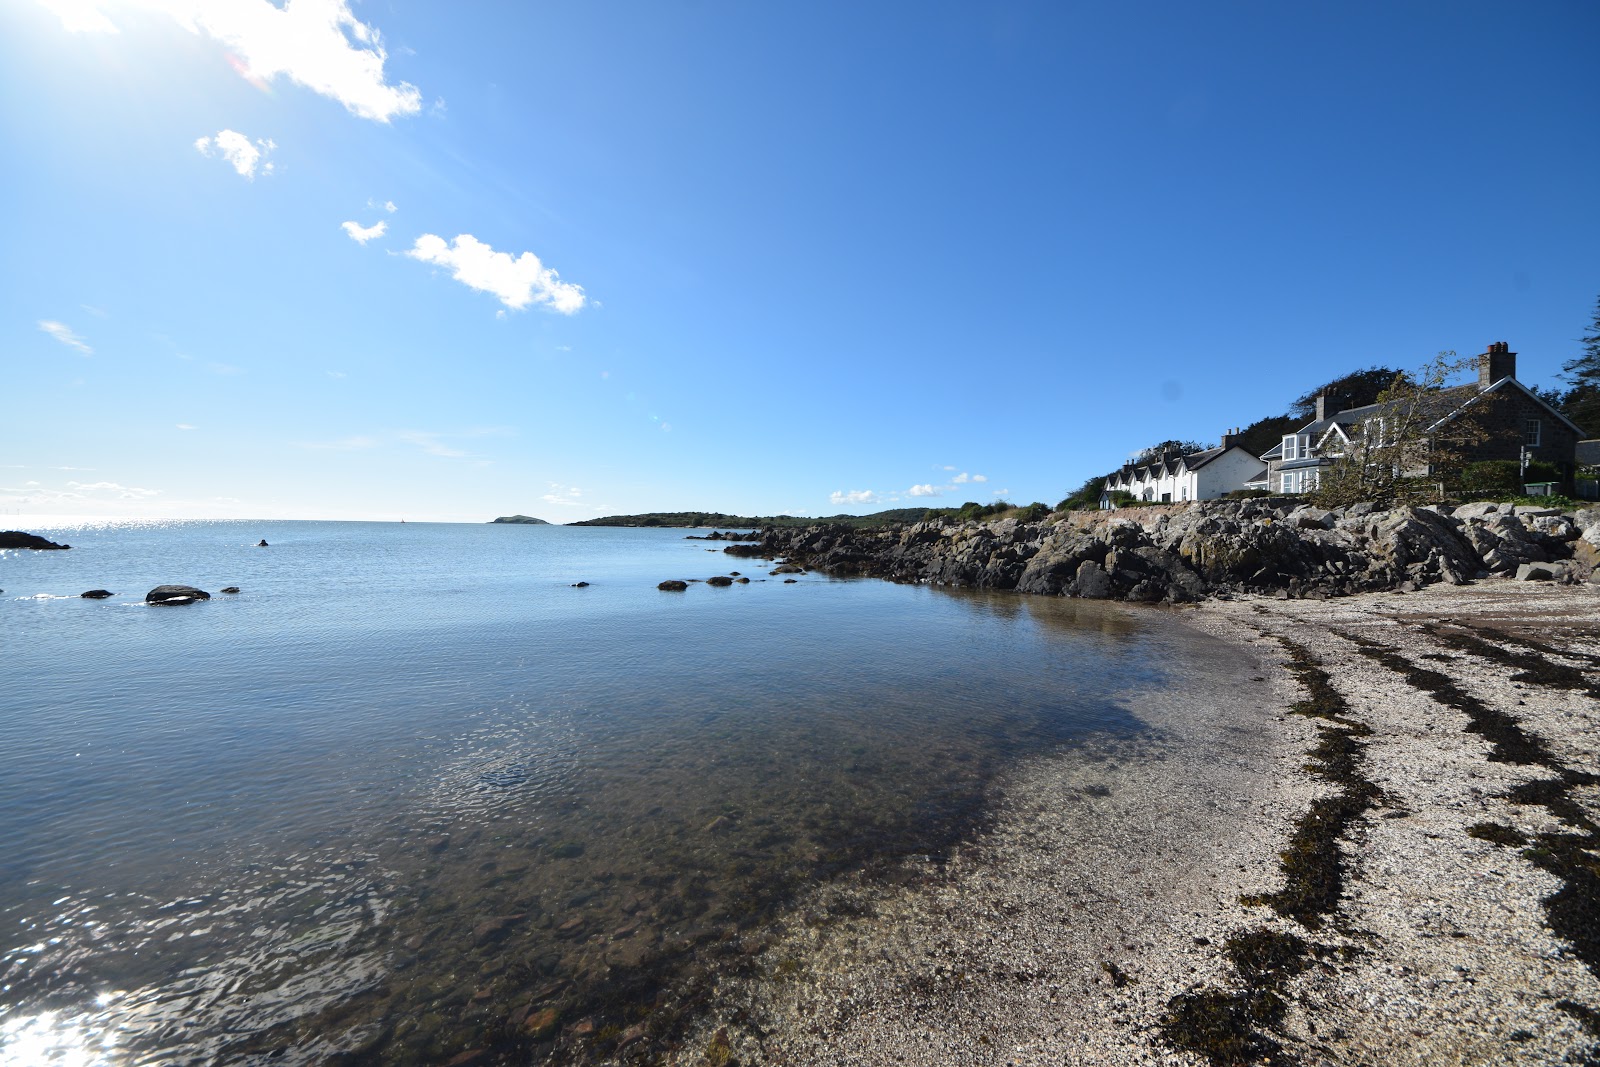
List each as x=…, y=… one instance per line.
x=571, y=856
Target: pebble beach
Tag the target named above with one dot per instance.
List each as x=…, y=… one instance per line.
x=1389, y=859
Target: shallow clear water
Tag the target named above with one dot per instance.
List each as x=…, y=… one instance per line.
x=409, y=788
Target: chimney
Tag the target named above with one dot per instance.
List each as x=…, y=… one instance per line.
x=1498, y=362
x=1227, y=440
x=1322, y=406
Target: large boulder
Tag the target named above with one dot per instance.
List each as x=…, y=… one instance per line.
x=175, y=594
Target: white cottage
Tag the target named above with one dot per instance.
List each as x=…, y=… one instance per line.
x=1169, y=477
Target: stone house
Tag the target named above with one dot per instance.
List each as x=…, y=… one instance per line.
x=1170, y=477
x=1515, y=423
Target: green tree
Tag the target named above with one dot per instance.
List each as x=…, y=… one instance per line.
x=1353, y=390
x=1582, y=401
x=1402, y=453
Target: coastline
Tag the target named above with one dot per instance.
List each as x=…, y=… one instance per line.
x=1046, y=942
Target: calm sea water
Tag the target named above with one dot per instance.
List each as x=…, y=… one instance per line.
x=410, y=793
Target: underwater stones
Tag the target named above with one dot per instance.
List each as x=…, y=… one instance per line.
x=97, y=594
x=175, y=594
x=541, y=1024
x=18, y=539
x=672, y=585
x=496, y=928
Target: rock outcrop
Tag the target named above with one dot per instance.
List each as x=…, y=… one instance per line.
x=1186, y=552
x=18, y=539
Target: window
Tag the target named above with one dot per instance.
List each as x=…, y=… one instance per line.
x=1297, y=481
x=1530, y=432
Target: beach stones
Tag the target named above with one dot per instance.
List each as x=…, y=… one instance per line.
x=175, y=594
x=97, y=594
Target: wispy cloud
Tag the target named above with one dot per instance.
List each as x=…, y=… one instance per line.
x=362, y=234
x=186, y=426
x=343, y=444
x=515, y=281
x=319, y=44
x=566, y=496
x=66, y=335
x=125, y=492
x=853, y=496
x=239, y=150
x=430, y=443
x=963, y=478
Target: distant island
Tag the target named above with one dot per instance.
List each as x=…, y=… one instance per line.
x=522, y=520
x=719, y=520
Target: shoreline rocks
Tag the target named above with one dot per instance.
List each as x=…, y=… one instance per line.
x=1189, y=552
x=18, y=539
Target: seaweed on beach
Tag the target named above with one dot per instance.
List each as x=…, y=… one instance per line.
x=1313, y=863
x=1511, y=744
x=1534, y=665
x=1229, y=1026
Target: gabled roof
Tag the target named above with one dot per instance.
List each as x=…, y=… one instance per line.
x=1511, y=383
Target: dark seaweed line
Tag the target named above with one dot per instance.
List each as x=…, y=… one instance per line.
x=1228, y=1026
x=1535, y=665
x=1572, y=912
x=1511, y=744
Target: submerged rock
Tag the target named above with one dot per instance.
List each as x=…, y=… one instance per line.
x=97, y=594
x=175, y=594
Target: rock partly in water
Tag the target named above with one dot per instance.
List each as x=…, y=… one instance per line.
x=719, y=580
x=97, y=594
x=673, y=586
x=580, y=585
x=262, y=543
x=18, y=539
x=230, y=589
x=175, y=594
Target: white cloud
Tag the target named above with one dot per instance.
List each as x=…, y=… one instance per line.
x=65, y=334
x=238, y=150
x=947, y=467
x=566, y=496
x=963, y=478
x=316, y=43
x=516, y=283
x=430, y=443
x=388, y=205
x=854, y=496
x=185, y=426
x=343, y=444
x=362, y=234
x=923, y=490
x=80, y=16
x=979, y=478
x=126, y=492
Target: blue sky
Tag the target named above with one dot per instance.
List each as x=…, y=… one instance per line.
x=404, y=259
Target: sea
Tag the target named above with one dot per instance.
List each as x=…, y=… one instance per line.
x=413, y=792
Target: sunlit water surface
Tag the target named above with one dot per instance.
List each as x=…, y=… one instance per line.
x=411, y=793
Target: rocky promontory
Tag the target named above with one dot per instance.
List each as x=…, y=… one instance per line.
x=1185, y=552
x=18, y=539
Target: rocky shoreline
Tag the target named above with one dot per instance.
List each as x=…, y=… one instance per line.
x=1187, y=552
x=1186, y=898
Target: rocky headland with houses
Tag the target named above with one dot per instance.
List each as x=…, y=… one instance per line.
x=1177, y=553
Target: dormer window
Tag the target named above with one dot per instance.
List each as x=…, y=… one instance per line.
x=1530, y=432
x=1297, y=446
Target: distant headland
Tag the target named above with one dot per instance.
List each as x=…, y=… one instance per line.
x=522, y=520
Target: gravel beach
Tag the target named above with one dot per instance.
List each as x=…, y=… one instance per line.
x=1377, y=846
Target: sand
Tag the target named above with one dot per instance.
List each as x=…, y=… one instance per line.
x=1113, y=877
